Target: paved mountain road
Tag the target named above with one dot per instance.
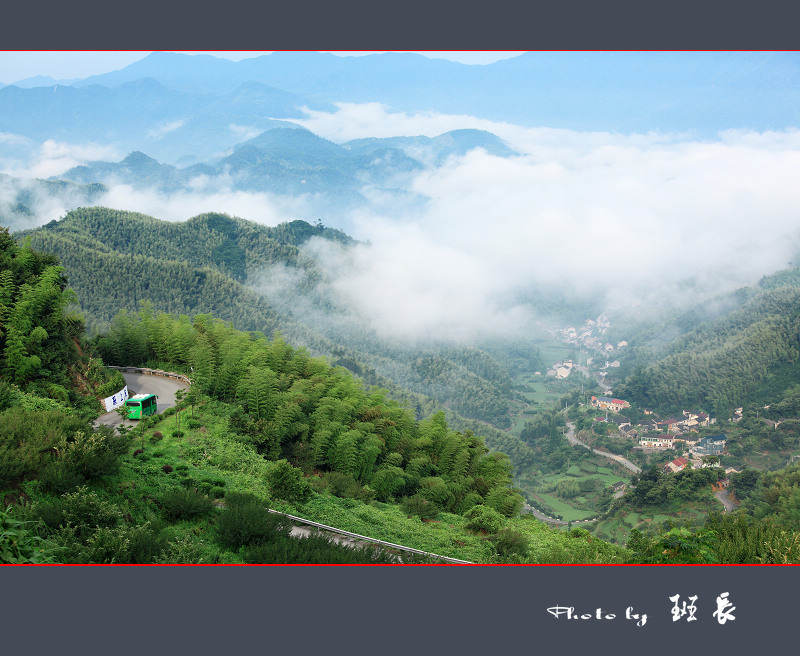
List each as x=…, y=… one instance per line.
x=622, y=461
x=164, y=388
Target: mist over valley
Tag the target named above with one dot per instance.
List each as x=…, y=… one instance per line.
x=501, y=245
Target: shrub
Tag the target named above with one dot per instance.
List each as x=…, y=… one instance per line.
x=167, y=469
x=233, y=498
x=343, y=485
x=483, y=519
x=181, y=552
x=470, y=500
x=60, y=477
x=319, y=484
x=419, y=506
x=204, y=487
x=510, y=543
x=20, y=542
x=83, y=509
x=181, y=503
x=177, y=433
x=112, y=544
x=287, y=482
x=80, y=458
x=249, y=522
x=216, y=492
x=145, y=544
x=504, y=500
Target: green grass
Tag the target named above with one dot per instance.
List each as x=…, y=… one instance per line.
x=560, y=507
x=211, y=454
x=633, y=519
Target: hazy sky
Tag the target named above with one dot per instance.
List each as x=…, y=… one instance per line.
x=61, y=65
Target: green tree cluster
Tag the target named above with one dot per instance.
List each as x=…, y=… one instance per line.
x=38, y=334
x=750, y=352
x=298, y=408
x=261, y=278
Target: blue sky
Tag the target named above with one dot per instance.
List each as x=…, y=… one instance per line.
x=61, y=65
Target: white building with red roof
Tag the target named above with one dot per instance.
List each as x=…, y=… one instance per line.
x=606, y=403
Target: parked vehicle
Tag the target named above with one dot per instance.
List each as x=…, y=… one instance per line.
x=141, y=405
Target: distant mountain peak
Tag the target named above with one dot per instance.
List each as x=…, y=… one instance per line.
x=137, y=158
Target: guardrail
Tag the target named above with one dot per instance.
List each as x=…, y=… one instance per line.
x=391, y=545
x=153, y=372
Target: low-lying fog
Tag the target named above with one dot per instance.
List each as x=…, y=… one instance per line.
x=624, y=216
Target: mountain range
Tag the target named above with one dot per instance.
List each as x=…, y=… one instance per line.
x=183, y=108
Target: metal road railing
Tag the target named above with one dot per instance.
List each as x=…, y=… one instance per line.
x=364, y=537
x=153, y=372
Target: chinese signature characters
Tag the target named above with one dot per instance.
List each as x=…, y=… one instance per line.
x=681, y=609
x=724, y=612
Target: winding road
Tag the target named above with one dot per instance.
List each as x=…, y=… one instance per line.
x=622, y=461
x=725, y=500
x=138, y=383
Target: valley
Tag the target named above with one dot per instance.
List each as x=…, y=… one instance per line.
x=406, y=323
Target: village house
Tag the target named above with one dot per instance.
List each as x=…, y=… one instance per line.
x=620, y=421
x=619, y=487
x=606, y=403
x=657, y=442
x=562, y=370
x=676, y=465
x=671, y=425
x=693, y=419
x=710, y=446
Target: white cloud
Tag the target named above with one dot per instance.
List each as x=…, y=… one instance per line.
x=244, y=132
x=162, y=130
x=10, y=139
x=624, y=217
x=261, y=208
x=357, y=121
x=55, y=157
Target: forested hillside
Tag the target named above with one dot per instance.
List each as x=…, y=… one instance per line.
x=264, y=424
x=296, y=407
x=40, y=352
x=221, y=265
x=267, y=424
x=749, y=354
